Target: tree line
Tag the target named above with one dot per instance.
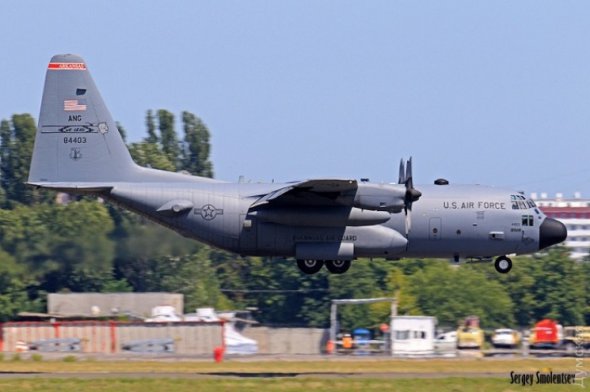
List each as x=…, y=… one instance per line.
x=54, y=243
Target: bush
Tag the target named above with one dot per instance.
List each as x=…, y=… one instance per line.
x=70, y=358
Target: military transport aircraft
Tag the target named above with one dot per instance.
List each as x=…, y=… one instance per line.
x=328, y=221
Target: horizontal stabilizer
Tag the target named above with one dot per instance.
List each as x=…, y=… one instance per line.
x=90, y=187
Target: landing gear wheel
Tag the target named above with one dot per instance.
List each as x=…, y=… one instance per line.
x=337, y=266
x=310, y=266
x=503, y=264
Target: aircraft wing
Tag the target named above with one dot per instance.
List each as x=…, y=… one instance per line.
x=321, y=192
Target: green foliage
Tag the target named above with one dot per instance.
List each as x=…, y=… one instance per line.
x=70, y=358
x=195, y=157
x=16, y=148
x=36, y=357
x=451, y=293
x=150, y=124
x=162, y=150
x=59, y=244
x=360, y=282
x=13, y=296
x=121, y=130
x=149, y=155
x=191, y=275
x=168, y=137
x=559, y=288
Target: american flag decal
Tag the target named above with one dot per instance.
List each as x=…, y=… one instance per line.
x=74, y=105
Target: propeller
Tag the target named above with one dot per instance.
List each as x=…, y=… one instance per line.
x=412, y=194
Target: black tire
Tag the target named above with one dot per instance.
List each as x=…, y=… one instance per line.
x=503, y=264
x=310, y=266
x=338, y=266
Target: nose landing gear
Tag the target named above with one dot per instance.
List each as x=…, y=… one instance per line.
x=503, y=264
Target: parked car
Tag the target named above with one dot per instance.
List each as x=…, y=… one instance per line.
x=446, y=341
x=576, y=337
x=505, y=337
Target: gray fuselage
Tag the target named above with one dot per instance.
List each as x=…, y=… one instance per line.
x=448, y=221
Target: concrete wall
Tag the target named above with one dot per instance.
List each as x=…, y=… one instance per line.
x=288, y=340
x=139, y=304
x=188, y=338
x=110, y=337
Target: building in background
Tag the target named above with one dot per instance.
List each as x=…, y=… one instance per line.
x=574, y=213
x=138, y=305
x=412, y=335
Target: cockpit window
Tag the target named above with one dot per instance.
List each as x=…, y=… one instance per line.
x=520, y=202
x=527, y=220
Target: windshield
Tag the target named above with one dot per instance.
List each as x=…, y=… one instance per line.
x=519, y=202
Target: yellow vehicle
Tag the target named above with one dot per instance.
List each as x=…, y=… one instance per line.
x=576, y=337
x=470, y=335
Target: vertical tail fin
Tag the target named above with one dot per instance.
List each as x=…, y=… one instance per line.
x=77, y=140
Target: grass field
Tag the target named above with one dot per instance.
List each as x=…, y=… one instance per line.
x=454, y=384
x=455, y=375
x=367, y=365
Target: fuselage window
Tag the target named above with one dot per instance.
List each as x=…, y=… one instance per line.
x=527, y=220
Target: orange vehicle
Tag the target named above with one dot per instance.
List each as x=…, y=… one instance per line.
x=546, y=333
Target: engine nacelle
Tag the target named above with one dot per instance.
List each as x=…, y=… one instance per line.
x=380, y=197
x=321, y=217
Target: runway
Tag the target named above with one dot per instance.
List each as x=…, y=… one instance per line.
x=245, y=375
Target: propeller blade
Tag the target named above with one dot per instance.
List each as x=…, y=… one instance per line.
x=409, y=181
x=412, y=194
x=402, y=173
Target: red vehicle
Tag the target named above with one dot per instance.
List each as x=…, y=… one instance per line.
x=547, y=333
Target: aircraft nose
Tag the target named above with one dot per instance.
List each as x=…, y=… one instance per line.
x=551, y=232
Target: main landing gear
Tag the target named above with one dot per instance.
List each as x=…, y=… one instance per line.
x=334, y=266
x=503, y=264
